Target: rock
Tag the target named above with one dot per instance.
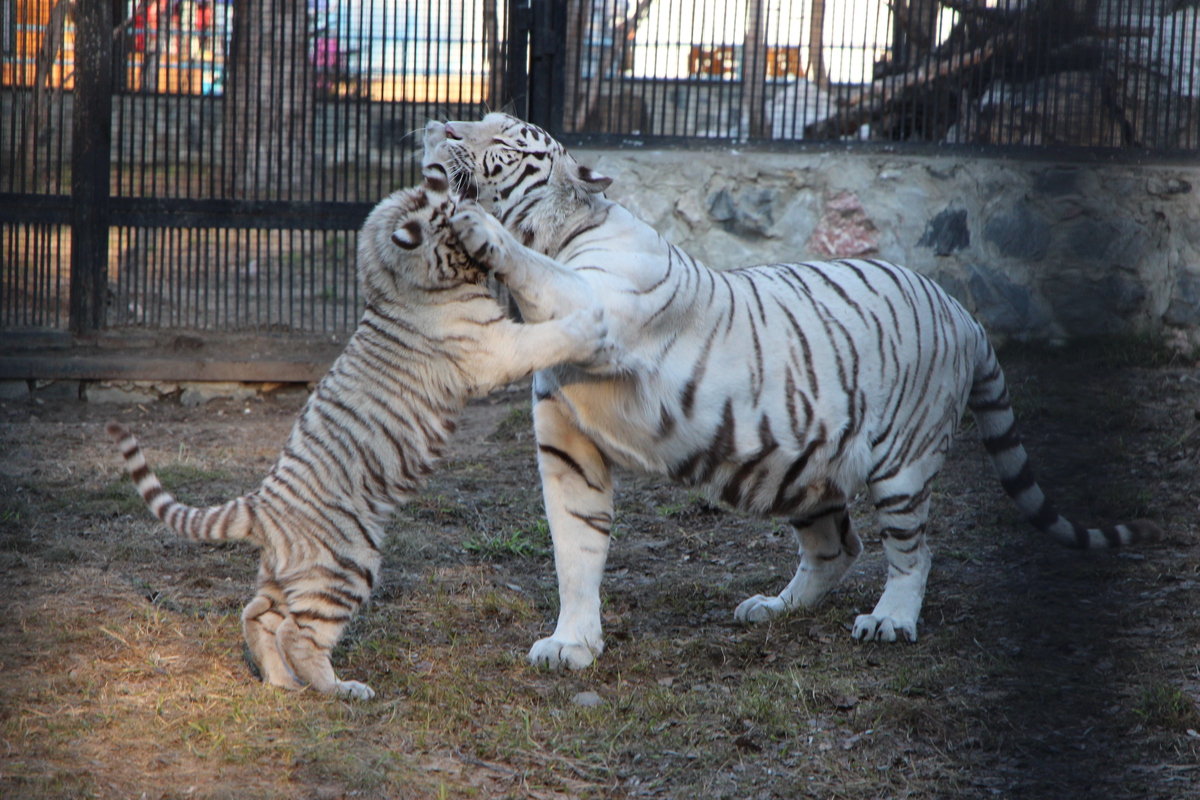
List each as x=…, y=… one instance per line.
x=1185, y=301
x=57, y=390
x=751, y=212
x=946, y=233
x=1018, y=233
x=14, y=390
x=1166, y=187
x=199, y=393
x=952, y=286
x=1000, y=304
x=129, y=392
x=587, y=699
x=1088, y=307
x=844, y=230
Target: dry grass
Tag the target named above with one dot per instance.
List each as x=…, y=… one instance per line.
x=1040, y=673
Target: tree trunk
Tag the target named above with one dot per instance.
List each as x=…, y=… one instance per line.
x=37, y=113
x=269, y=102
x=574, y=45
x=754, y=69
x=816, y=45
x=494, y=85
x=623, y=33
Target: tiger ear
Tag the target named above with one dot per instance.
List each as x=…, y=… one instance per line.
x=593, y=181
x=408, y=236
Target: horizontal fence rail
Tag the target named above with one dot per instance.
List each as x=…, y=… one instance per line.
x=205, y=165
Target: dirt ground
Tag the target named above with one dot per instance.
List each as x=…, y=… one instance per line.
x=1040, y=673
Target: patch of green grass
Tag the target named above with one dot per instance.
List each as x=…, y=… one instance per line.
x=774, y=702
x=696, y=506
x=180, y=474
x=516, y=426
x=530, y=540
x=1167, y=707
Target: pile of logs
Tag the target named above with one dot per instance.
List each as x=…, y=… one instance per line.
x=1034, y=72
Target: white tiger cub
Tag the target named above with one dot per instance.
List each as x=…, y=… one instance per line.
x=432, y=337
x=781, y=390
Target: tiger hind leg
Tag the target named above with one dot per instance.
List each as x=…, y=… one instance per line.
x=828, y=548
x=902, y=515
x=260, y=620
x=305, y=644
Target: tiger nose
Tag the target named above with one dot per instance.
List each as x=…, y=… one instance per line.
x=450, y=132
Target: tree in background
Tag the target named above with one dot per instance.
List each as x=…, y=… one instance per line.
x=269, y=102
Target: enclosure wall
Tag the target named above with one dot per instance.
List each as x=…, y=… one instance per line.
x=1041, y=250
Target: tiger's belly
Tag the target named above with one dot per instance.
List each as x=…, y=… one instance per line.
x=751, y=455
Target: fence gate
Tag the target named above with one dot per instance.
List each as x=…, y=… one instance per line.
x=181, y=183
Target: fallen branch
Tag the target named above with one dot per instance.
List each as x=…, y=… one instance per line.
x=874, y=98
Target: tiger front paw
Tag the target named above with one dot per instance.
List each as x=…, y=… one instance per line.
x=482, y=236
x=870, y=628
x=759, y=608
x=557, y=654
x=587, y=329
x=353, y=690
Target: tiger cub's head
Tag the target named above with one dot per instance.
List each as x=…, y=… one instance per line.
x=508, y=164
x=406, y=245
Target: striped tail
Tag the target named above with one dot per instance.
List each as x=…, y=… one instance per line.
x=234, y=520
x=989, y=403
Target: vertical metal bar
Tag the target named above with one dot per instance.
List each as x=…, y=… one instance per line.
x=516, y=90
x=91, y=140
x=547, y=27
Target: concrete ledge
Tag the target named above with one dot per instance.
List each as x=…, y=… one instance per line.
x=169, y=356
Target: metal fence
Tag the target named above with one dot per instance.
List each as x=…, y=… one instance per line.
x=204, y=165
x=1106, y=73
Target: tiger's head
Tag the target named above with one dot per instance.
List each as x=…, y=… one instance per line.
x=515, y=170
x=406, y=246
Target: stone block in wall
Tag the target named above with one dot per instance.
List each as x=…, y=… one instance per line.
x=1184, y=309
x=14, y=390
x=1089, y=306
x=946, y=232
x=129, y=392
x=1108, y=243
x=1002, y=305
x=199, y=393
x=57, y=390
x=844, y=230
x=1018, y=232
x=749, y=212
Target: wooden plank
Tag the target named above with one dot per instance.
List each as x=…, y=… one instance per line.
x=126, y=367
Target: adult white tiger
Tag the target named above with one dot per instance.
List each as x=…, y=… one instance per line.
x=782, y=389
x=431, y=337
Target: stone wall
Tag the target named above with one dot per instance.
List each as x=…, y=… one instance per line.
x=1036, y=250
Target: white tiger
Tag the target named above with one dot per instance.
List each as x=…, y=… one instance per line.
x=432, y=336
x=781, y=390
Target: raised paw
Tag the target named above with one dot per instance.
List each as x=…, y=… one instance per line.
x=353, y=690
x=870, y=628
x=588, y=329
x=556, y=654
x=759, y=608
x=482, y=236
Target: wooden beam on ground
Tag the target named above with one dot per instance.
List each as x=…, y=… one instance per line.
x=168, y=357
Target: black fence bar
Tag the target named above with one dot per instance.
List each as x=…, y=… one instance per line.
x=90, y=163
